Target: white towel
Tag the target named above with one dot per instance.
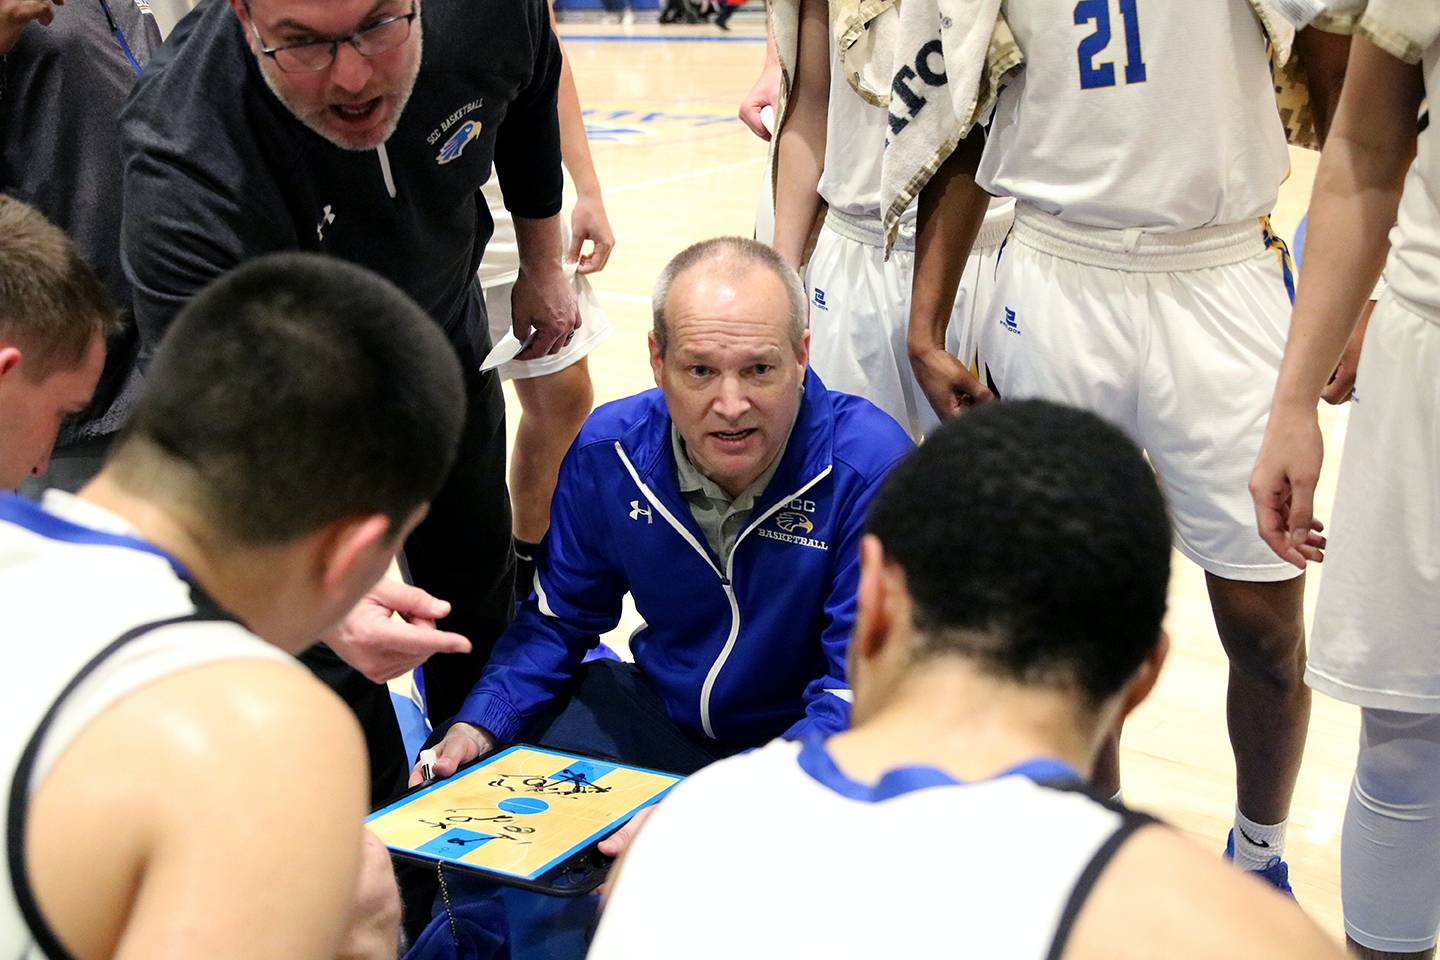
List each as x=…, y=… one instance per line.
x=948, y=61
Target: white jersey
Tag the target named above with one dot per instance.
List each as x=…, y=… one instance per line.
x=73, y=580
x=854, y=148
x=1413, y=269
x=777, y=854
x=854, y=144
x=1155, y=115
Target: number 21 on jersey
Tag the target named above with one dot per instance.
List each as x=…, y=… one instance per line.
x=1094, y=75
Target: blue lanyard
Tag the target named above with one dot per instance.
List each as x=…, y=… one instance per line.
x=115, y=28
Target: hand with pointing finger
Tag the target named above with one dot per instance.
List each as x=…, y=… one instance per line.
x=382, y=647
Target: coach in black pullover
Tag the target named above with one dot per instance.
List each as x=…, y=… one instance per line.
x=219, y=169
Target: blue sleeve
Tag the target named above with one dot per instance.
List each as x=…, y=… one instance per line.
x=827, y=699
x=579, y=591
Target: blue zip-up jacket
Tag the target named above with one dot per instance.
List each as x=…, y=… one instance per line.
x=740, y=654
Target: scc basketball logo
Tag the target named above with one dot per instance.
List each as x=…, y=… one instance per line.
x=461, y=138
x=790, y=522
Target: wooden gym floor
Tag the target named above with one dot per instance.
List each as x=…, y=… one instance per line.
x=677, y=167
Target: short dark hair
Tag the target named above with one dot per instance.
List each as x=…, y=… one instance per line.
x=295, y=391
x=51, y=305
x=1034, y=540
x=732, y=255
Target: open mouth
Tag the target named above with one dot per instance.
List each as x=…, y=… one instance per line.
x=732, y=436
x=357, y=114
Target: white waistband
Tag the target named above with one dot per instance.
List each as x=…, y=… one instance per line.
x=870, y=230
x=1136, y=251
x=867, y=230
x=1424, y=311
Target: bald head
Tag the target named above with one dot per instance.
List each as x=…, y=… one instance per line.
x=730, y=258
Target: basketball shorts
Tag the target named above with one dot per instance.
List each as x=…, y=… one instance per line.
x=860, y=313
x=1175, y=338
x=498, y=270
x=1376, y=637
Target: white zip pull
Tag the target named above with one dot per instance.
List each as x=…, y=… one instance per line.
x=385, y=170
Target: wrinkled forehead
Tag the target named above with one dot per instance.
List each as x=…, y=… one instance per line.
x=714, y=303
x=320, y=16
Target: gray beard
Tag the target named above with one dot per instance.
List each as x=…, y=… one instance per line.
x=387, y=131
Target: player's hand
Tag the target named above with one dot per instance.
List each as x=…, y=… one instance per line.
x=765, y=93
x=948, y=384
x=373, y=932
x=1342, y=381
x=619, y=841
x=543, y=309
x=16, y=15
x=588, y=222
x=463, y=742
x=615, y=846
x=1283, y=485
x=381, y=647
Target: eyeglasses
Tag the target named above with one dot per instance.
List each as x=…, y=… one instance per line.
x=313, y=56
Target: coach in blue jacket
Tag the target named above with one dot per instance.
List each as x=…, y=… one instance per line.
x=730, y=504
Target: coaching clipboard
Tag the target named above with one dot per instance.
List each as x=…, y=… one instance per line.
x=525, y=816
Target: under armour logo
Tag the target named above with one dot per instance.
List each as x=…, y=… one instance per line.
x=636, y=510
x=325, y=220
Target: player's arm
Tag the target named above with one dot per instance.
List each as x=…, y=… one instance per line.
x=1352, y=207
x=1323, y=55
x=766, y=91
x=1162, y=895
x=527, y=162
x=800, y=150
x=216, y=813
x=587, y=220
x=951, y=211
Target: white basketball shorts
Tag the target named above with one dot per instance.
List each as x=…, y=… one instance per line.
x=1176, y=338
x=594, y=325
x=860, y=313
x=1376, y=637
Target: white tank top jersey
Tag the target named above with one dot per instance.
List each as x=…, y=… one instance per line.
x=1413, y=268
x=73, y=580
x=1155, y=115
x=854, y=144
x=854, y=147
x=777, y=854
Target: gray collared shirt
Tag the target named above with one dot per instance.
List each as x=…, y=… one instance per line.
x=719, y=517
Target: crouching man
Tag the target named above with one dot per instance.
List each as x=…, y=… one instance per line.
x=729, y=503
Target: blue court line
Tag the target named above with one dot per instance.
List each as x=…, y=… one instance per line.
x=567, y=37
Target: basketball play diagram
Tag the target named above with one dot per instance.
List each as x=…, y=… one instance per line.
x=522, y=812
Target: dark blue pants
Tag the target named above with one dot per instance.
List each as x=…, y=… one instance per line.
x=612, y=711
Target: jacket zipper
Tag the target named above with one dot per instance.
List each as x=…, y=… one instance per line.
x=725, y=577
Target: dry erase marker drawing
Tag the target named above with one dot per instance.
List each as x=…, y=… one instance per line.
x=520, y=813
